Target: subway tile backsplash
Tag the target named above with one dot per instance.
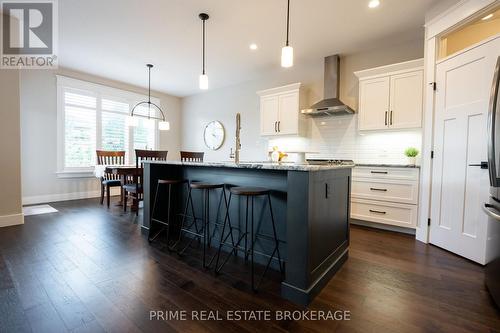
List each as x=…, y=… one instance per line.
x=338, y=138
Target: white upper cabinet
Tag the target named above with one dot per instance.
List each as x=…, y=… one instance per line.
x=374, y=101
x=406, y=100
x=390, y=97
x=269, y=114
x=280, y=111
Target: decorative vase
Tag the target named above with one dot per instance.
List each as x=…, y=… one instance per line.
x=412, y=160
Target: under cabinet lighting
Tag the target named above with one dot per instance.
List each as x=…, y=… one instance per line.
x=487, y=17
x=374, y=3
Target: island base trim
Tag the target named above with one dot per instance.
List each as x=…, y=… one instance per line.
x=305, y=296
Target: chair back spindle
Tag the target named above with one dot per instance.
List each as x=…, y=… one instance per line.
x=107, y=157
x=190, y=156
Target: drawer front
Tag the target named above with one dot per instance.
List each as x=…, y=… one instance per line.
x=388, y=190
x=386, y=173
x=401, y=215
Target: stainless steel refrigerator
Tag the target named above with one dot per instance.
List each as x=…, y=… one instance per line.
x=492, y=208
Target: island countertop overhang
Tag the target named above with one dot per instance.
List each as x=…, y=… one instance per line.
x=258, y=165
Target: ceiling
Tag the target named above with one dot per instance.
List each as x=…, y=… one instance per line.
x=115, y=38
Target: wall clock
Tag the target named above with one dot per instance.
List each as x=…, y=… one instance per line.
x=214, y=135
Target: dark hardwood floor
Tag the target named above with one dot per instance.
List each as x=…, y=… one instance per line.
x=89, y=269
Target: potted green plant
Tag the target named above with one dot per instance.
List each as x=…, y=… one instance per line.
x=411, y=153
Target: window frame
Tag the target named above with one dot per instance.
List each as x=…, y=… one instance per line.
x=99, y=91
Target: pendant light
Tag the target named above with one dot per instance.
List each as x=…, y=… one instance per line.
x=133, y=120
x=203, y=76
x=287, y=50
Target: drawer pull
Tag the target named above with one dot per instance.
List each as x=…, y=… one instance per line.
x=378, y=189
x=380, y=172
x=377, y=211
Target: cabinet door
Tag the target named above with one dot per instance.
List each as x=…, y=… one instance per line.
x=269, y=110
x=406, y=100
x=374, y=103
x=288, y=120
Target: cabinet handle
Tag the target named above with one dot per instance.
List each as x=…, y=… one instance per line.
x=275, y=130
x=391, y=118
x=279, y=123
x=377, y=211
x=385, y=118
x=378, y=189
x=326, y=190
x=380, y=172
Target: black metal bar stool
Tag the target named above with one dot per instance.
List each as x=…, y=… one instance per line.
x=249, y=192
x=165, y=224
x=204, y=229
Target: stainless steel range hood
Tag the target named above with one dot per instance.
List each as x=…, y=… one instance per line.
x=330, y=105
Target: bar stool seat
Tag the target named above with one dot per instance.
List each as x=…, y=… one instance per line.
x=249, y=190
x=205, y=185
x=171, y=181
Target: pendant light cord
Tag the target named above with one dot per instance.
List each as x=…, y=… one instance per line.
x=287, y=21
x=203, y=51
x=149, y=85
x=149, y=92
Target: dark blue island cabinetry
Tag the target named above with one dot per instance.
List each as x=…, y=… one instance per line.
x=310, y=205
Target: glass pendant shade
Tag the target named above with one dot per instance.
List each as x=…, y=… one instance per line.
x=287, y=56
x=203, y=81
x=164, y=126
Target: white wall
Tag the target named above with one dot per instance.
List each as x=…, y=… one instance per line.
x=335, y=138
x=10, y=149
x=39, y=135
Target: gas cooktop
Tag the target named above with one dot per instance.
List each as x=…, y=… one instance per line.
x=329, y=162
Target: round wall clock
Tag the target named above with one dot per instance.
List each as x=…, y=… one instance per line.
x=214, y=135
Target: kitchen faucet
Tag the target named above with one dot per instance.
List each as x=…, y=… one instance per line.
x=236, y=154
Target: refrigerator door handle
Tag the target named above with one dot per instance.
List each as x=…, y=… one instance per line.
x=492, y=118
x=488, y=209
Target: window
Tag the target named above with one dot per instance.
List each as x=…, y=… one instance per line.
x=92, y=116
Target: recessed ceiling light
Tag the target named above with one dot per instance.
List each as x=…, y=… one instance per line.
x=487, y=17
x=374, y=3
x=253, y=46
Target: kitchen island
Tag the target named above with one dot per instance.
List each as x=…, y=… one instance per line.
x=310, y=206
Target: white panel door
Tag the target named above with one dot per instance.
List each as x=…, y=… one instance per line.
x=458, y=188
x=269, y=110
x=374, y=103
x=406, y=100
x=288, y=120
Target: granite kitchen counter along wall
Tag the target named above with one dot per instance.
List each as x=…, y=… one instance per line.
x=338, y=138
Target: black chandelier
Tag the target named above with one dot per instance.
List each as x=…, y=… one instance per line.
x=163, y=125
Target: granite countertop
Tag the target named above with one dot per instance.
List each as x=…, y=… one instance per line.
x=387, y=165
x=258, y=165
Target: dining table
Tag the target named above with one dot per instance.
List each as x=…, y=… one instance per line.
x=126, y=173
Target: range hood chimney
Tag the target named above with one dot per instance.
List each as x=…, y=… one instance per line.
x=330, y=105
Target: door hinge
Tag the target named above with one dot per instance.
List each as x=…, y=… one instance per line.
x=428, y=222
x=432, y=153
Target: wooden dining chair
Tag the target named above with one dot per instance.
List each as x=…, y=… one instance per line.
x=109, y=180
x=190, y=156
x=134, y=189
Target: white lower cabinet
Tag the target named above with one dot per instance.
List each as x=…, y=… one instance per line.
x=401, y=215
x=385, y=195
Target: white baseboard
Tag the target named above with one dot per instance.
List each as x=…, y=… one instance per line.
x=37, y=199
x=14, y=219
x=382, y=226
